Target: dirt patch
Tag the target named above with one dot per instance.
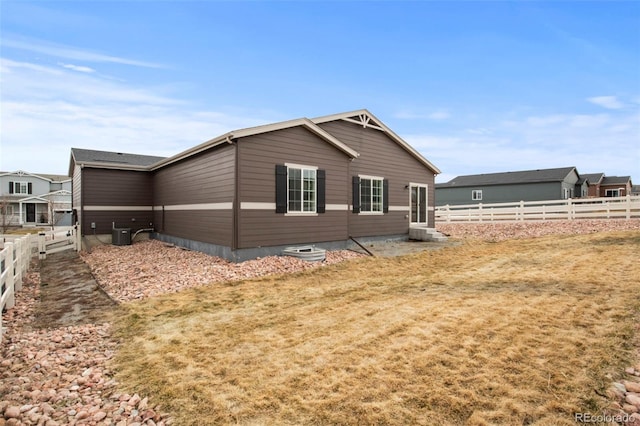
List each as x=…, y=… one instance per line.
x=399, y=248
x=69, y=294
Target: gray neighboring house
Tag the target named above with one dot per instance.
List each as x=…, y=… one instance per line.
x=30, y=199
x=527, y=185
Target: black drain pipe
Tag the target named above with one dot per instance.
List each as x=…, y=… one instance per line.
x=361, y=246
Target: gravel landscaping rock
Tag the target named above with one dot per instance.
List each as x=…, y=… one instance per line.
x=150, y=268
x=498, y=231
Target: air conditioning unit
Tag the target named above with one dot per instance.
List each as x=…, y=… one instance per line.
x=121, y=236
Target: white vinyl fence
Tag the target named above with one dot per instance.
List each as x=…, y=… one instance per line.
x=627, y=207
x=16, y=253
x=14, y=263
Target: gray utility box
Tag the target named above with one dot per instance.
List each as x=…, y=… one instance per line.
x=121, y=237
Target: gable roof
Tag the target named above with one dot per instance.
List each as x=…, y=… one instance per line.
x=45, y=197
x=125, y=161
x=229, y=137
x=364, y=118
x=109, y=159
x=593, y=178
x=616, y=180
x=50, y=178
x=508, y=178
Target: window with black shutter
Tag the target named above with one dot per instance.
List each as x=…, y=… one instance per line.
x=355, y=185
x=300, y=189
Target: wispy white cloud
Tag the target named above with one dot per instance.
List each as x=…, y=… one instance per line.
x=70, y=52
x=608, y=143
x=609, y=102
x=48, y=110
x=78, y=68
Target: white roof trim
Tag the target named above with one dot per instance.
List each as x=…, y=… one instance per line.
x=43, y=197
x=252, y=131
x=23, y=173
x=117, y=166
x=377, y=124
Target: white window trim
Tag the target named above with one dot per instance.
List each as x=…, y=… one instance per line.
x=26, y=187
x=408, y=208
x=474, y=194
x=372, y=213
x=302, y=167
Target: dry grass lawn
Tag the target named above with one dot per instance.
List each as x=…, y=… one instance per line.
x=515, y=332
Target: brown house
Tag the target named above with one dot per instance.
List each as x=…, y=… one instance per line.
x=251, y=192
x=608, y=186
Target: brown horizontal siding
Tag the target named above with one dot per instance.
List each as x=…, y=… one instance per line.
x=392, y=223
x=382, y=156
x=199, y=225
x=258, y=156
x=106, y=187
x=204, y=178
x=262, y=228
x=105, y=220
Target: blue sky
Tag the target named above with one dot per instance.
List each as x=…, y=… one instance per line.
x=476, y=87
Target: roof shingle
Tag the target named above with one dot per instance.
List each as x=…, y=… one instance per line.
x=506, y=178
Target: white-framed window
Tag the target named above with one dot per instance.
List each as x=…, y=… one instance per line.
x=567, y=193
x=612, y=192
x=371, y=194
x=302, y=189
x=20, y=188
x=476, y=195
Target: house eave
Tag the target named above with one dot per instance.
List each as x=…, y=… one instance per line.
x=232, y=136
x=116, y=166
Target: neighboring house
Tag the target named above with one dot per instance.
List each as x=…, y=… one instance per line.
x=595, y=180
x=615, y=186
x=251, y=192
x=30, y=199
x=635, y=190
x=608, y=186
x=528, y=185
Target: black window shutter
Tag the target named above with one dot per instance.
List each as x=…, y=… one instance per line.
x=385, y=196
x=320, y=176
x=29, y=188
x=281, y=188
x=356, y=194
x=10, y=187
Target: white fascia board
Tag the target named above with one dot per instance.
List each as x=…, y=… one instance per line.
x=116, y=166
x=310, y=125
x=192, y=151
x=34, y=198
x=330, y=138
x=22, y=173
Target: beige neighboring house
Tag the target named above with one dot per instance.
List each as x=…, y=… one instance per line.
x=29, y=199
